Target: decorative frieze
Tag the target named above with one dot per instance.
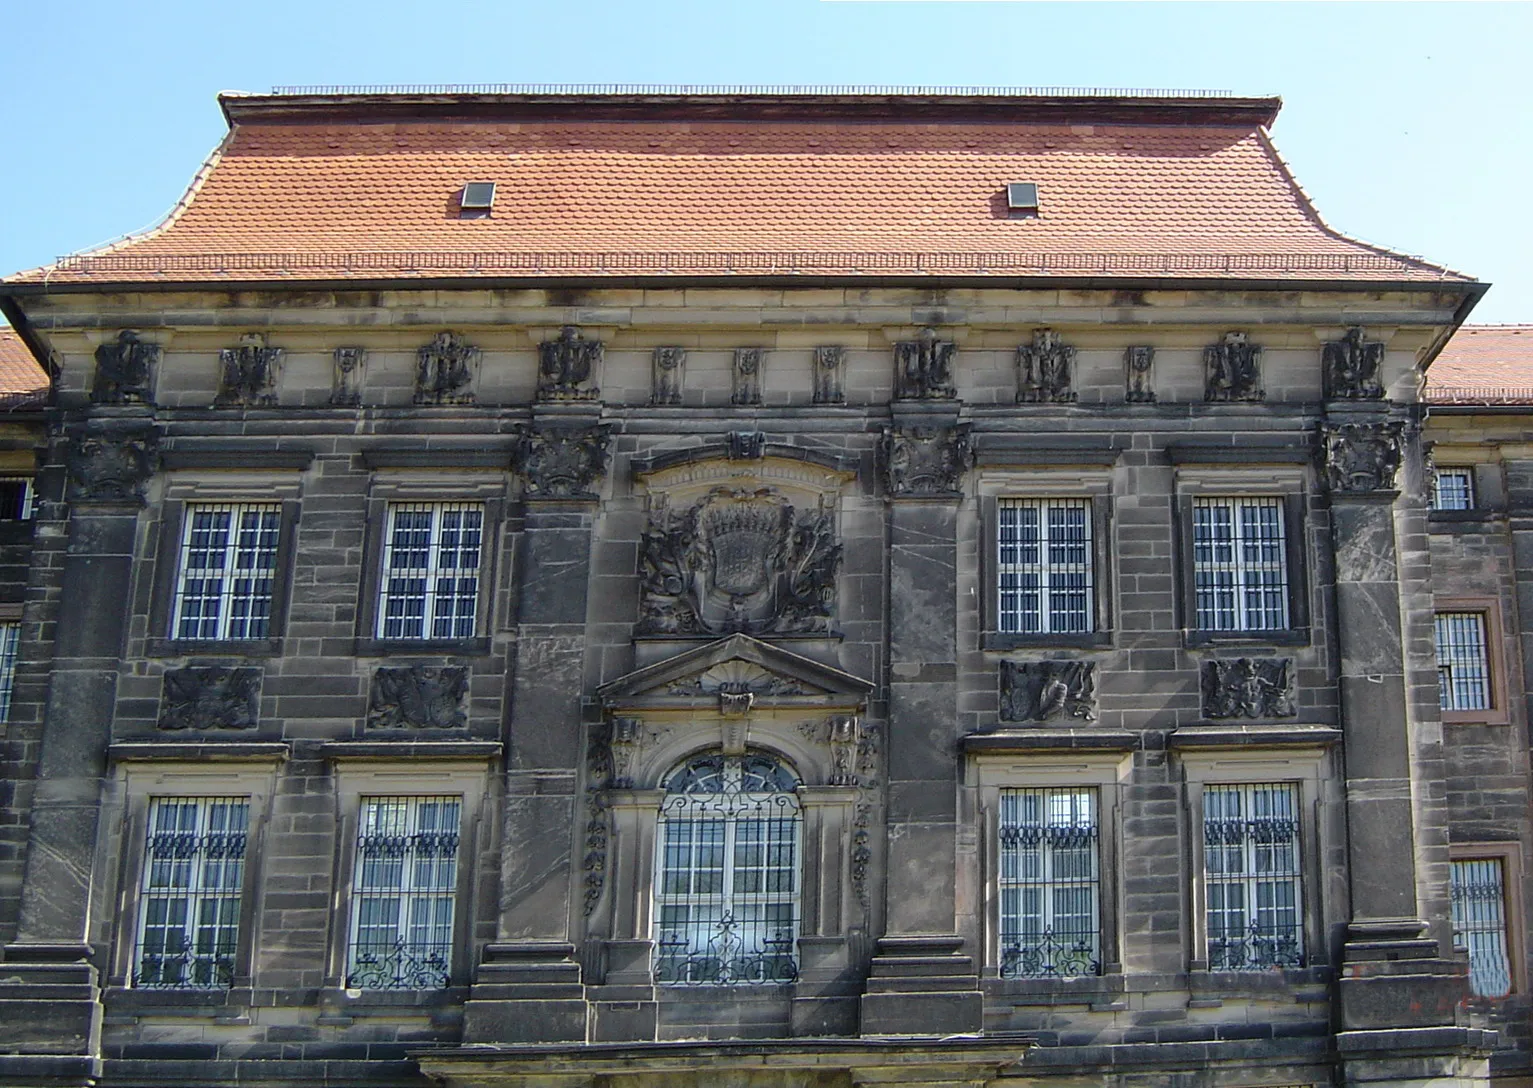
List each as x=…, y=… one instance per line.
x=125, y=370
x=346, y=380
x=1139, y=374
x=1363, y=457
x=1351, y=367
x=446, y=370
x=566, y=364
x=923, y=368
x=1248, y=687
x=1232, y=369
x=248, y=374
x=562, y=462
x=739, y=560
x=830, y=374
x=112, y=465
x=668, y=366
x=926, y=462
x=746, y=377
x=210, y=697
x=418, y=697
x=1048, y=691
x=1045, y=370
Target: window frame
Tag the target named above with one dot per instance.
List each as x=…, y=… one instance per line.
x=225, y=614
x=1509, y=854
x=1489, y=609
x=434, y=572
x=10, y=657
x=1467, y=471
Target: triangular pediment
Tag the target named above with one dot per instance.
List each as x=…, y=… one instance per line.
x=736, y=665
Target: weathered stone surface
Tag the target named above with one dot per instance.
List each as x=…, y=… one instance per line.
x=923, y=368
x=926, y=462
x=1248, y=687
x=1233, y=369
x=418, y=697
x=1045, y=370
x=562, y=462
x=1046, y=691
x=211, y=697
x=248, y=373
x=446, y=370
x=125, y=370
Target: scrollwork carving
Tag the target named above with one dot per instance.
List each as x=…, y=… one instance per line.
x=923, y=368
x=1363, y=457
x=565, y=365
x=1045, y=691
x=125, y=370
x=210, y=697
x=1248, y=687
x=418, y=697
x=1351, y=367
x=248, y=374
x=562, y=462
x=112, y=466
x=926, y=462
x=1233, y=369
x=1045, y=370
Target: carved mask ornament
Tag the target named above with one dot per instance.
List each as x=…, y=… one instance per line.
x=562, y=462
x=926, y=462
x=1363, y=457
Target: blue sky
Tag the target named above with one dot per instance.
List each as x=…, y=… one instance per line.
x=1408, y=124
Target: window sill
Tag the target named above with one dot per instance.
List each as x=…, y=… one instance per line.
x=1086, y=990
x=1298, y=636
x=226, y=647
x=404, y=647
x=341, y=1002
x=136, y=1001
x=1001, y=641
x=1475, y=717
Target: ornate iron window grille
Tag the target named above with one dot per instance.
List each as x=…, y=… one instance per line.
x=189, y=895
x=430, y=583
x=1253, y=878
x=1049, y=884
x=1240, y=564
x=1044, y=565
x=228, y=568
x=1479, y=924
x=1463, y=667
x=727, y=880
x=404, y=894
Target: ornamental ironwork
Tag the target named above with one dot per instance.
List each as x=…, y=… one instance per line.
x=1048, y=884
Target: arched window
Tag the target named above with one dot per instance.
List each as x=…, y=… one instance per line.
x=727, y=873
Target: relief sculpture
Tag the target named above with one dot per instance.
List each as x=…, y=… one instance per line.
x=1044, y=370
x=1363, y=457
x=1233, y=369
x=125, y=370
x=213, y=697
x=1352, y=365
x=923, y=368
x=565, y=365
x=247, y=374
x=1046, y=691
x=1248, y=687
x=418, y=697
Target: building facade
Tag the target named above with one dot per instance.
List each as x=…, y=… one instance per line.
x=537, y=588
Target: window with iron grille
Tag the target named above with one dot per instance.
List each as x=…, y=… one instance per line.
x=1453, y=489
x=1463, y=667
x=1049, y=884
x=1479, y=924
x=10, y=645
x=727, y=873
x=15, y=498
x=430, y=583
x=1044, y=566
x=1252, y=876
x=227, y=571
x=1240, y=564
x=189, y=895
x=403, y=893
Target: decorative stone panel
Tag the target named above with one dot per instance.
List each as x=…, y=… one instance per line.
x=1248, y=687
x=746, y=377
x=1045, y=370
x=1363, y=457
x=923, y=368
x=829, y=374
x=926, y=462
x=1138, y=374
x=1048, y=691
x=418, y=697
x=1351, y=367
x=210, y=697
x=445, y=370
x=346, y=383
x=111, y=465
x=566, y=364
x=248, y=374
x=669, y=364
x=1233, y=369
x=125, y=370
x=562, y=462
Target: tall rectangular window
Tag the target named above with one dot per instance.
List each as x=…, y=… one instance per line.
x=1463, y=666
x=1044, y=566
x=1252, y=876
x=10, y=645
x=1479, y=924
x=403, y=892
x=430, y=583
x=1453, y=489
x=1049, y=884
x=15, y=498
x=1240, y=564
x=227, y=571
x=189, y=896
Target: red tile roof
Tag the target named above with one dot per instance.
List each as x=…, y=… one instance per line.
x=23, y=384
x=366, y=187
x=1484, y=364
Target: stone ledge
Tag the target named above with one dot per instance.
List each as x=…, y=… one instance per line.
x=410, y=749
x=1253, y=736
x=1396, y=1041
x=199, y=751
x=222, y=456
x=1046, y=739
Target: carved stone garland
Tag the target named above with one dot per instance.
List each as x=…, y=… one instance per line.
x=1047, y=691
x=869, y=739
x=562, y=462
x=248, y=374
x=418, y=697
x=598, y=781
x=1138, y=374
x=1363, y=457
x=669, y=365
x=112, y=465
x=211, y=697
x=747, y=377
x=923, y=368
x=125, y=370
x=1045, y=370
x=1351, y=367
x=926, y=462
x=445, y=370
x=565, y=365
x=738, y=560
x=1233, y=370
x=1248, y=687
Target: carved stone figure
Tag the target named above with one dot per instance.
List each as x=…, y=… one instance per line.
x=1138, y=378
x=346, y=387
x=565, y=364
x=746, y=445
x=829, y=368
x=210, y=697
x=627, y=734
x=111, y=465
x=1248, y=687
x=1363, y=457
x=562, y=462
x=445, y=370
x=843, y=750
x=418, y=697
x=668, y=365
x=1045, y=691
x=738, y=560
x=248, y=374
x=1233, y=369
x=1044, y=369
x=926, y=462
x=923, y=368
x=1351, y=367
x=747, y=377
x=125, y=370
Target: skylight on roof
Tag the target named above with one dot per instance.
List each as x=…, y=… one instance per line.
x=1022, y=196
x=476, y=200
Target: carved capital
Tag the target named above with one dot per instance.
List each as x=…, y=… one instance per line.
x=112, y=465
x=445, y=370
x=923, y=368
x=1363, y=457
x=1045, y=370
x=1352, y=365
x=212, y=697
x=1047, y=691
x=418, y=697
x=562, y=462
x=125, y=370
x=1248, y=687
x=926, y=462
x=565, y=366
x=1138, y=374
x=1232, y=370
x=248, y=374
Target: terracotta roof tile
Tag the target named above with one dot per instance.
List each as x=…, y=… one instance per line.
x=322, y=199
x=1484, y=364
x=23, y=384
